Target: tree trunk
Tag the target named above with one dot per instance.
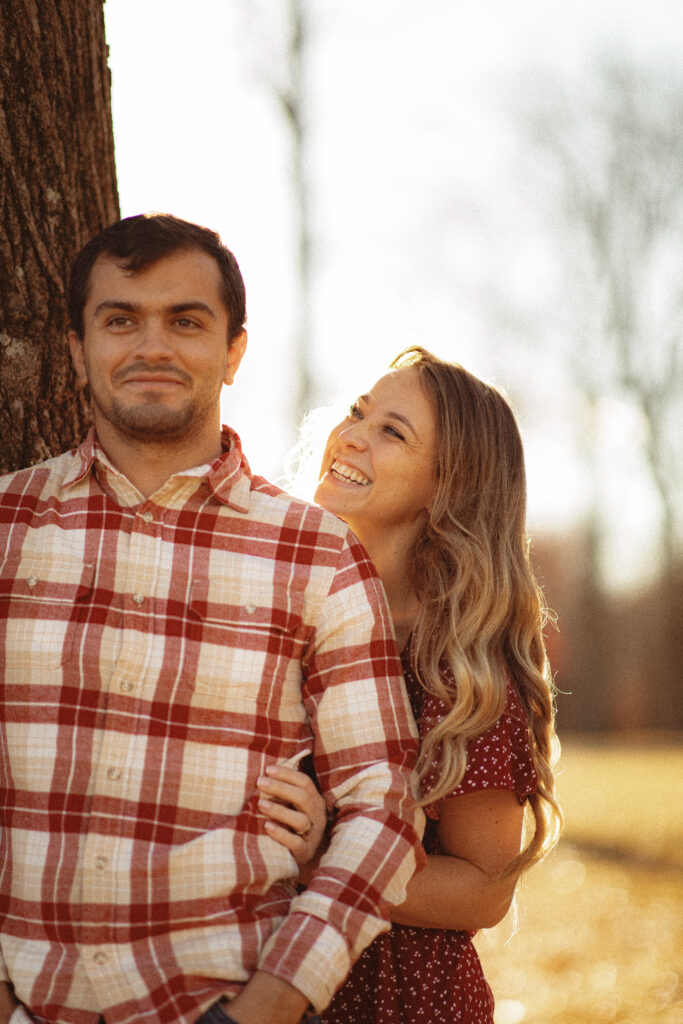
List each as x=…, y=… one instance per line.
x=57, y=189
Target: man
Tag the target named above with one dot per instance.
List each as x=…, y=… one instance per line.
x=171, y=626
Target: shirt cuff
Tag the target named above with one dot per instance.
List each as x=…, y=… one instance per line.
x=309, y=954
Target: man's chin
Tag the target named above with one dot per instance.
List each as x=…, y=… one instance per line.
x=153, y=423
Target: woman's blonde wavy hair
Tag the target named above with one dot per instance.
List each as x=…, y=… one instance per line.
x=481, y=609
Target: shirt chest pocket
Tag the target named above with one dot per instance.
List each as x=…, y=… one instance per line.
x=247, y=655
x=42, y=605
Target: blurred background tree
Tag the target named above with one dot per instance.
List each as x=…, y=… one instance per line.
x=291, y=93
x=608, y=150
x=58, y=187
x=278, y=51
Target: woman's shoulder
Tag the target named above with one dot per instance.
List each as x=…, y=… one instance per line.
x=499, y=758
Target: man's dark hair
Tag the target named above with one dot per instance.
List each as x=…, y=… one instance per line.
x=142, y=240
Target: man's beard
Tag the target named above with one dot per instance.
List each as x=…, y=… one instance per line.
x=149, y=420
x=152, y=421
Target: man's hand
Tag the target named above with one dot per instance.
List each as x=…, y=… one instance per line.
x=266, y=999
x=7, y=1002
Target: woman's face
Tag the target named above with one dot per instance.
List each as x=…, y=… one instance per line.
x=378, y=472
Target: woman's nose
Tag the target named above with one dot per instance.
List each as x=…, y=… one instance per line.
x=354, y=435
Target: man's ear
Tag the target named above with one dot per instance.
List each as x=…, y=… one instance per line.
x=77, y=358
x=236, y=349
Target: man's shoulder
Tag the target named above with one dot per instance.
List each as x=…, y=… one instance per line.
x=270, y=499
x=34, y=479
x=308, y=532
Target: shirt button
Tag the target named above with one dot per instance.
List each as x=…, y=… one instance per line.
x=32, y=581
x=148, y=517
x=101, y=863
x=138, y=598
x=100, y=958
x=115, y=774
x=126, y=686
x=250, y=609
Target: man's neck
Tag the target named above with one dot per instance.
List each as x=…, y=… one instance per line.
x=148, y=465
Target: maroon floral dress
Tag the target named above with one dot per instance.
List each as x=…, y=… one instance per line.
x=429, y=975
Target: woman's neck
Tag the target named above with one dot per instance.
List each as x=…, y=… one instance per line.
x=392, y=566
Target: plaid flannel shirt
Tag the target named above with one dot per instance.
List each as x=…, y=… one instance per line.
x=158, y=655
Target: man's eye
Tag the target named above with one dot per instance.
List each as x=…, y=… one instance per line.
x=119, y=321
x=186, y=321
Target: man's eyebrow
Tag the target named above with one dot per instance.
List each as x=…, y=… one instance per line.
x=127, y=307
x=186, y=307
x=132, y=307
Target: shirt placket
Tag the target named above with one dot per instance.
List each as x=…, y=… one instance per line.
x=106, y=857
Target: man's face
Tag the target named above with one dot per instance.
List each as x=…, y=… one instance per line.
x=155, y=348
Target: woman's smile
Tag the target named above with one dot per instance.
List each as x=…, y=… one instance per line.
x=348, y=474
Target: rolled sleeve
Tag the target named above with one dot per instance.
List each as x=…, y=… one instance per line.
x=366, y=746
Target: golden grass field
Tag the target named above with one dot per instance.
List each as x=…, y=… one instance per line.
x=600, y=922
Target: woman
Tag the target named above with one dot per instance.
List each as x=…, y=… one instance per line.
x=428, y=471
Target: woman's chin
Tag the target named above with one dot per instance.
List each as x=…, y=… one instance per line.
x=336, y=497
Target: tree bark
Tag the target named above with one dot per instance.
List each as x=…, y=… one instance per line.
x=57, y=189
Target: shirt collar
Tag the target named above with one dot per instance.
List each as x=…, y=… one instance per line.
x=84, y=457
x=228, y=476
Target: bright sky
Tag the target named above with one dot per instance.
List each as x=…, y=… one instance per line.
x=414, y=205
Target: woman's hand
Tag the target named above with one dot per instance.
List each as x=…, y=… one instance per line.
x=296, y=814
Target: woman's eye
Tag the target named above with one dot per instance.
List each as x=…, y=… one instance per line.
x=394, y=432
x=354, y=411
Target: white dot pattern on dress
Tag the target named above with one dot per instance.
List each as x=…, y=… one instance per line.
x=430, y=975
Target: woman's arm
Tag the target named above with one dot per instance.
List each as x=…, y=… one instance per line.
x=480, y=834
x=462, y=889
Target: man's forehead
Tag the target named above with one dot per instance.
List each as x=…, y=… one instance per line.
x=184, y=270
x=188, y=257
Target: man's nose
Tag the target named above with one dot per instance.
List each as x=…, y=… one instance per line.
x=154, y=341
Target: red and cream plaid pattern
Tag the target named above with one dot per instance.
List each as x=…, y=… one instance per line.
x=157, y=655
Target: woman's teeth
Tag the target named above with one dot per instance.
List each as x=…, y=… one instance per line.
x=349, y=474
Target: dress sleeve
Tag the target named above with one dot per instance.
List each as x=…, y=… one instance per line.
x=498, y=759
